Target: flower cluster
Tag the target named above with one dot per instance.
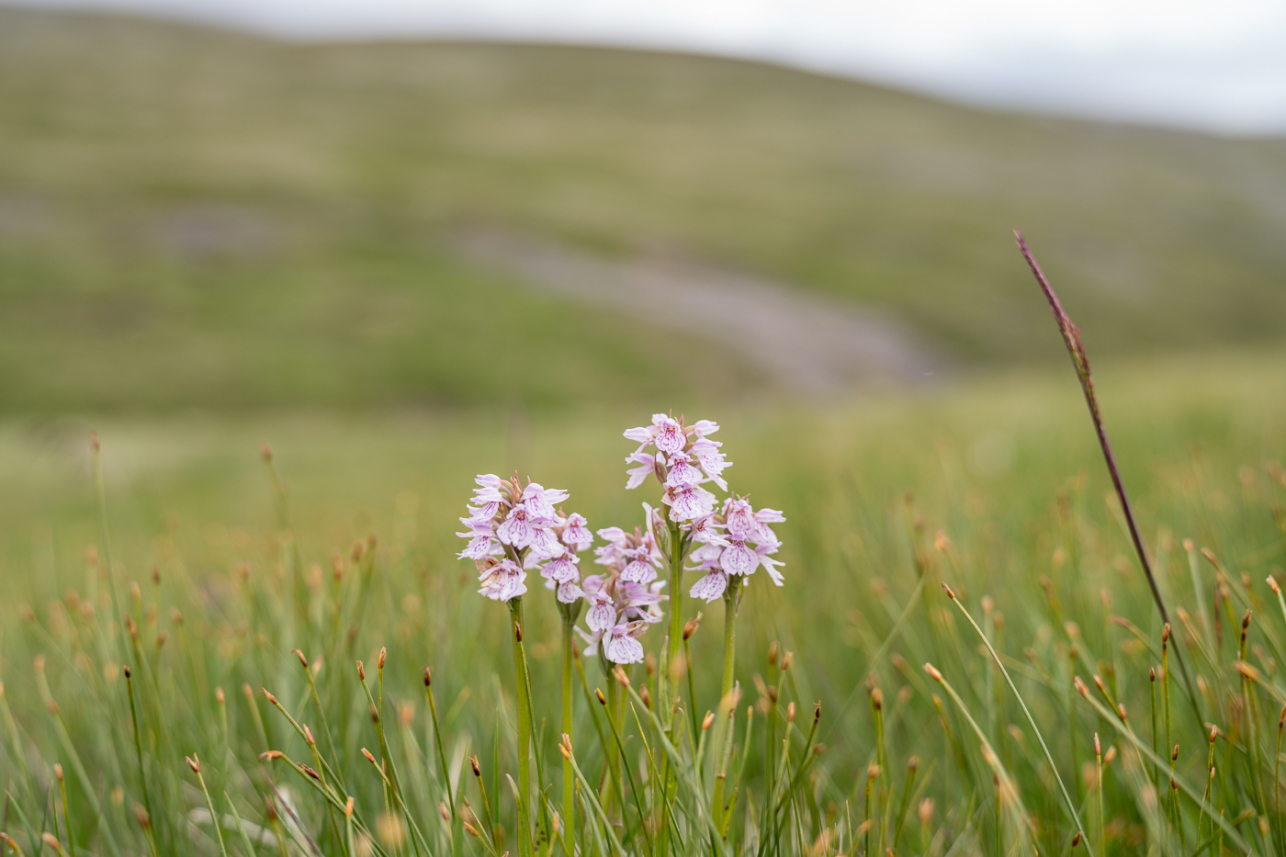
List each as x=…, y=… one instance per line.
x=736, y=542
x=684, y=459
x=512, y=529
x=626, y=600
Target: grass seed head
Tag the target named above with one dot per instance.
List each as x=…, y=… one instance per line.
x=707, y=721
x=194, y=764
x=933, y=672
x=361, y=671
x=926, y=810
x=473, y=763
x=58, y=771
x=348, y=807
x=383, y=657
x=428, y=677
x=219, y=697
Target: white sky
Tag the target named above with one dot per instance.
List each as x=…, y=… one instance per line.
x=1218, y=65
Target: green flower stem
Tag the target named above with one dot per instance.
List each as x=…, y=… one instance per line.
x=569, y=773
x=732, y=602
x=676, y=616
x=524, y=731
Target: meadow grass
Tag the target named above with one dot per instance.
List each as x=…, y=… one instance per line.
x=994, y=489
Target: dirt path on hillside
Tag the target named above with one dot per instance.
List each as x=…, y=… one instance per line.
x=803, y=341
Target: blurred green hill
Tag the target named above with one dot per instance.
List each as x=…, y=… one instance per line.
x=192, y=217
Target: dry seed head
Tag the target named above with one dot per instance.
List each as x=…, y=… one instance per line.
x=602, y=700
x=369, y=757
x=1272, y=584
x=129, y=674
x=690, y=628
x=270, y=697
x=649, y=663
x=361, y=671
x=620, y=676
x=383, y=657
x=517, y=632
x=817, y=712
x=471, y=830
x=52, y=841
x=140, y=814
x=375, y=714
x=194, y=764
x=933, y=672
x=1120, y=710
x=790, y=713
x=1247, y=670
x=308, y=736
x=161, y=638
x=302, y=660
x=926, y=810
x=1076, y=839
x=1098, y=682
x=219, y=697
x=271, y=755
x=442, y=810
x=787, y=661
x=950, y=593
x=348, y=807
x=58, y=771
x=707, y=721
x=1165, y=633
x=428, y=677
x=913, y=764
x=1080, y=686
x=1152, y=674
x=406, y=713
x=1174, y=757
x=1098, y=748
x=646, y=697
x=873, y=771
x=877, y=699
x=1110, y=755
x=772, y=654
x=310, y=772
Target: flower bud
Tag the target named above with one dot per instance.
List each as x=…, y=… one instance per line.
x=707, y=721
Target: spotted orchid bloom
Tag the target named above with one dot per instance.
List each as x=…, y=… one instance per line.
x=626, y=598
x=744, y=543
x=514, y=529
x=683, y=458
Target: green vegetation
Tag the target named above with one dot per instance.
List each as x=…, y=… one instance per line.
x=1006, y=471
x=197, y=218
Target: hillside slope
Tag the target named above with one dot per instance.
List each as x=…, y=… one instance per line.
x=192, y=217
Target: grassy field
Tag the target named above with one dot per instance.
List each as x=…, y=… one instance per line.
x=1006, y=472
x=231, y=222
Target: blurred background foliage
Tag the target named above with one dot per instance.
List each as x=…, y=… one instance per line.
x=193, y=218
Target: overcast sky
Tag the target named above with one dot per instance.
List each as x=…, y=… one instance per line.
x=1218, y=66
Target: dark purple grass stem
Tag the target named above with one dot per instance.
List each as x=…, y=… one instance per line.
x=1072, y=339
